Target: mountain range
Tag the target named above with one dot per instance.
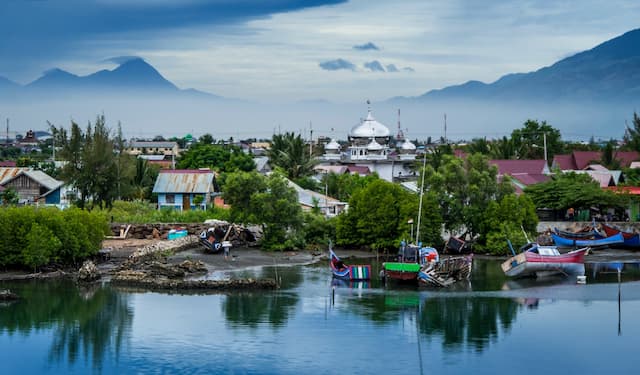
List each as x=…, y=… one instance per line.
x=609, y=71
x=133, y=75
x=591, y=93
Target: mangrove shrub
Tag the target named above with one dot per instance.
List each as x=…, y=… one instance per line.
x=35, y=236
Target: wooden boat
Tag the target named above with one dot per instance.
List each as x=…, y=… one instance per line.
x=443, y=272
x=630, y=240
x=406, y=268
x=348, y=272
x=210, y=239
x=573, y=242
x=585, y=234
x=539, y=261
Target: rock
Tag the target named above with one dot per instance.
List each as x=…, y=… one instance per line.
x=155, y=233
x=190, y=266
x=7, y=295
x=160, y=269
x=88, y=272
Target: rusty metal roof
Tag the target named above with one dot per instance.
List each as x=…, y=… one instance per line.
x=7, y=174
x=184, y=181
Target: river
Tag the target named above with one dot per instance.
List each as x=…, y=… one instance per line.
x=313, y=325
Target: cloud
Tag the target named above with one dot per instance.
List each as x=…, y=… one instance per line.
x=408, y=69
x=122, y=59
x=374, y=66
x=338, y=64
x=366, y=47
x=39, y=33
x=391, y=68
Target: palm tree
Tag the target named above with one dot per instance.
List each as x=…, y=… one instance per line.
x=289, y=152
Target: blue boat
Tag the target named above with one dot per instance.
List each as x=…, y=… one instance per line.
x=573, y=242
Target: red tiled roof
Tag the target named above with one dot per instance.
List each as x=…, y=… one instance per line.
x=511, y=167
x=582, y=159
x=359, y=169
x=626, y=157
x=8, y=163
x=564, y=162
x=531, y=179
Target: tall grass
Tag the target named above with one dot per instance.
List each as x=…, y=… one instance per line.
x=141, y=212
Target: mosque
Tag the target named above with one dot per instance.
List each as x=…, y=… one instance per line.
x=370, y=150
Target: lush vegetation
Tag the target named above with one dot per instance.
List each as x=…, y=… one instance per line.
x=218, y=157
x=142, y=212
x=269, y=202
x=98, y=168
x=575, y=190
x=32, y=236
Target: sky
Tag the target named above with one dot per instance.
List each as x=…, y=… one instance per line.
x=288, y=50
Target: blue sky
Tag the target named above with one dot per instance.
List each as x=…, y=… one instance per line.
x=291, y=50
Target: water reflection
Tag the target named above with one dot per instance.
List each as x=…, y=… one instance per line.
x=87, y=323
x=251, y=309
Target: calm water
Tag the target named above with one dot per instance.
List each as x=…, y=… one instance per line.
x=312, y=326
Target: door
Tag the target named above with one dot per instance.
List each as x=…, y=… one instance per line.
x=186, y=203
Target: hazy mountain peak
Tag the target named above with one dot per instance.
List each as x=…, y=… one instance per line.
x=609, y=70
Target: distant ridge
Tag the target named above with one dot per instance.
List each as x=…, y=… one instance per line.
x=609, y=71
x=133, y=74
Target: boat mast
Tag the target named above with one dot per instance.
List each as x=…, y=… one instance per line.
x=424, y=165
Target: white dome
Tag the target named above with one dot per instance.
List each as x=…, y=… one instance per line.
x=408, y=145
x=333, y=145
x=374, y=146
x=369, y=128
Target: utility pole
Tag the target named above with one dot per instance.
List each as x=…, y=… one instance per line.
x=544, y=139
x=310, y=140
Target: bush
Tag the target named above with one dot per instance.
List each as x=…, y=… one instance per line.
x=34, y=236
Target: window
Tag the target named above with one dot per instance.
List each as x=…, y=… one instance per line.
x=170, y=198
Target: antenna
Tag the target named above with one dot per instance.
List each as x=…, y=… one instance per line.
x=445, y=128
x=400, y=135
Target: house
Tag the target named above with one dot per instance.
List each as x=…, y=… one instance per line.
x=522, y=172
x=581, y=160
x=32, y=186
x=166, y=148
x=310, y=199
x=161, y=161
x=185, y=189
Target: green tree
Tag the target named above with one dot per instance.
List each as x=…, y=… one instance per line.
x=218, y=157
x=91, y=162
x=378, y=216
x=290, y=153
x=278, y=211
x=632, y=134
x=237, y=190
x=575, y=190
x=41, y=245
x=9, y=196
x=529, y=141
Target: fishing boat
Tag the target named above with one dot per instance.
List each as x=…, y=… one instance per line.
x=630, y=240
x=596, y=242
x=407, y=266
x=539, y=261
x=587, y=233
x=343, y=271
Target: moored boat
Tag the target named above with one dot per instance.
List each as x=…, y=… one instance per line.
x=407, y=266
x=537, y=260
x=443, y=272
x=344, y=271
x=630, y=240
x=574, y=242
